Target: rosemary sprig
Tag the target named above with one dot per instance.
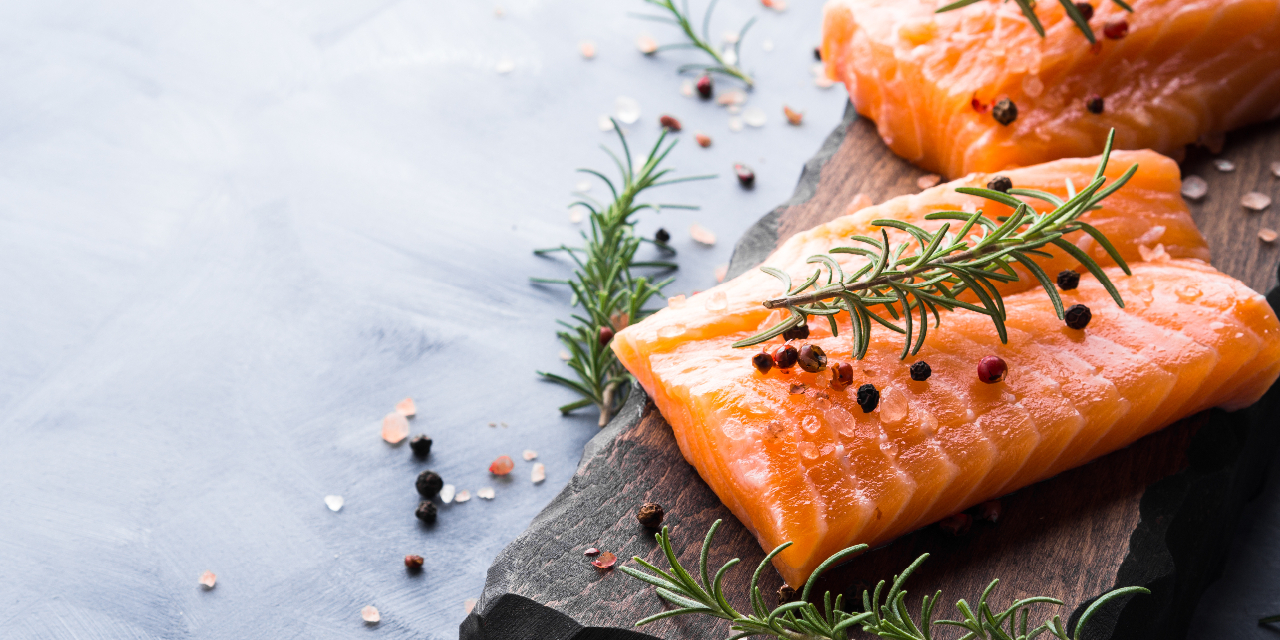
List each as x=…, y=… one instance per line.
x=913, y=279
x=827, y=619
x=682, y=18
x=1029, y=10
x=602, y=283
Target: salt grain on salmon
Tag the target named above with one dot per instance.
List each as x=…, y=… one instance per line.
x=702, y=235
x=394, y=427
x=539, y=473
x=370, y=615
x=1255, y=201
x=931, y=180
x=406, y=408
x=208, y=579
x=716, y=301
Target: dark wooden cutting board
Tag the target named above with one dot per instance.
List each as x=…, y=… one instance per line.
x=1156, y=514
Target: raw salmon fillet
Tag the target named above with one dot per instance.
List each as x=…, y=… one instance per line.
x=796, y=460
x=1186, y=69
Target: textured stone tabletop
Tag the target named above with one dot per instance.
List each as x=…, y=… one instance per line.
x=233, y=235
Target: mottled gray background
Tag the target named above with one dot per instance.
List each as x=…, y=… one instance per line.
x=234, y=234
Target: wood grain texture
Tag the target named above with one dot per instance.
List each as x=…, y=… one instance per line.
x=1154, y=514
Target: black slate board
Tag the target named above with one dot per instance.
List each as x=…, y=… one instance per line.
x=1155, y=514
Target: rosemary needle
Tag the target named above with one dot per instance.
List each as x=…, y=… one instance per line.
x=603, y=285
x=910, y=281
x=811, y=618
x=682, y=18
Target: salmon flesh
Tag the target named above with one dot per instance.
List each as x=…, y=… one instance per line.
x=1187, y=71
x=797, y=460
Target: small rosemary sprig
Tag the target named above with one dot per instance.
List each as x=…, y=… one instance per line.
x=910, y=281
x=603, y=285
x=682, y=18
x=827, y=619
x=1029, y=10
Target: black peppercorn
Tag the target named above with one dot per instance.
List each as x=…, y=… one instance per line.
x=1086, y=10
x=786, y=594
x=704, y=87
x=868, y=397
x=650, y=515
x=426, y=512
x=1000, y=183
x=798, y=332
x=762, y=361
x=1005, y=112
x=1068, y=279
x=662, y=237
x=785, y=356
x=421, y=446
x=606, y=334
x=812, y=358
x=413, y=563
x=1078, y=316
x=920, y=371
x=429, y=484
x=746, y=177
x=1094, y=104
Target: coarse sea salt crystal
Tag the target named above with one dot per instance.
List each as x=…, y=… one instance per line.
x=505, y=65
x=717, y=302
x=334, y=503
x=686, y=88
x=529, y=454
x=729, y=55
x=810, y=424
x=1032, y=86
x=1255, y=201
x=564, y=355
x=1267, y=235
x=671, y=331
x=1275, y=169
x=721, y=271
x=447, y=492
x=1194, y=187
x=587, y=48
x=767, y=45
x=626, y=109
x=677, y=302
x=754, y=116
x=1153, y=255
x=931, y=180
x=486, y=493
x=539, y=473
x=647, y=45
x=462, y=496
x=702, y=235
x=370, y=615
x=208, y=579
x=894, y=406
x=394, y=427
x=1151, y=235
x=1216, y=326
x=1224, y=165
x=406, y=407
x=735, y=124
x=604, y=123
x=807, y=450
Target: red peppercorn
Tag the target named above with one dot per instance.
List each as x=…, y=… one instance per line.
x=762, y=361
x=1094, y=104
x=956, y=525
x=413, y=563
x=746, y=177
x=841, y=375
x=785, y=356
x=704, y=87
x=798, y=332
x=991, y=369
x=606, y=334
x=1086, y=10
x=669, y=123
x=1116, y=29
